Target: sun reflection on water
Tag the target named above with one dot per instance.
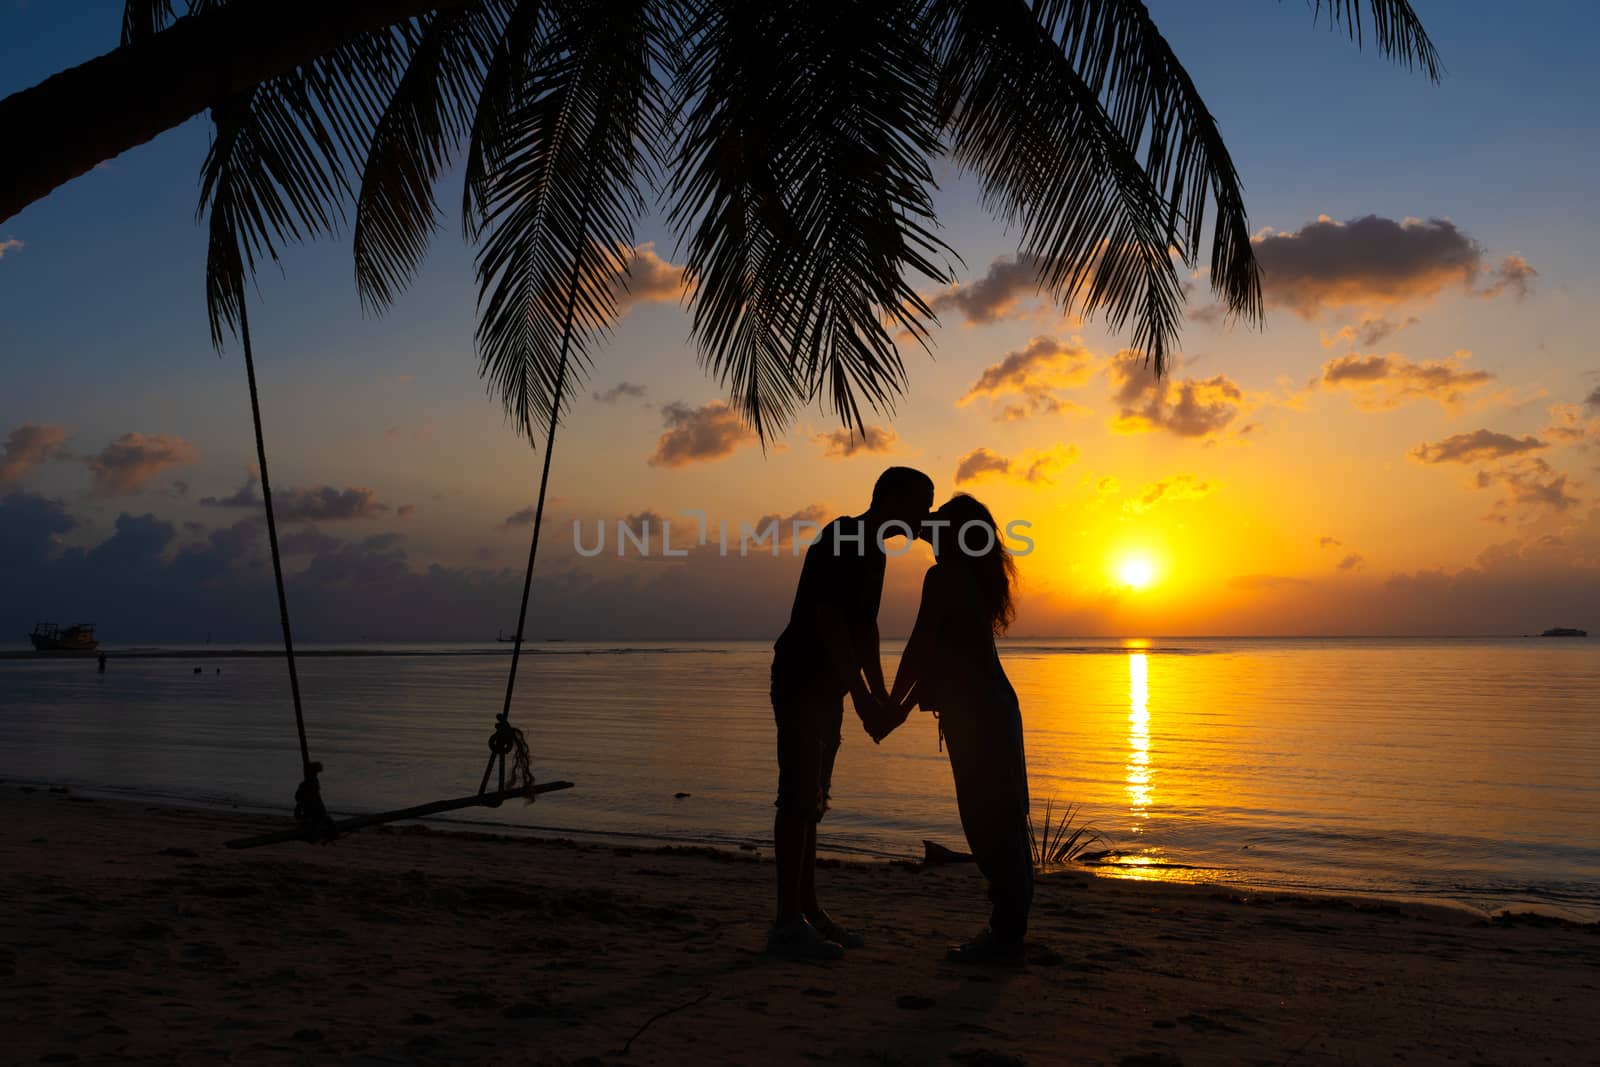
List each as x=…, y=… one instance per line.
x=1138, y=766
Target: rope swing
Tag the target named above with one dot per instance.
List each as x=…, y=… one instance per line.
x=313, y=823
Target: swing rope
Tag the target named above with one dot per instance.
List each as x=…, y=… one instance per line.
x=508, y=738
x=309, y=810
x=310, y=813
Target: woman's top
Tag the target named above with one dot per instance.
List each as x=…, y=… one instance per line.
x=964, y=669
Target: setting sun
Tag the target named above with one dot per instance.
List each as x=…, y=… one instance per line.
x=1136, y=572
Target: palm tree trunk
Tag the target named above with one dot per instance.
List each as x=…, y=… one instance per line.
x=73, y=120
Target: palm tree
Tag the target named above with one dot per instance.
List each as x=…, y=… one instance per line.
x=790, y=146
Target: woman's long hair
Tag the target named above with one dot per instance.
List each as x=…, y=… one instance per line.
x=995, y=570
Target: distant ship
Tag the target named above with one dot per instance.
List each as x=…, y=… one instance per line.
x=1564, y=631
x=48, y=637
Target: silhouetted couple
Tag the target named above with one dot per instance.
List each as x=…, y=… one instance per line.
x=950, y=667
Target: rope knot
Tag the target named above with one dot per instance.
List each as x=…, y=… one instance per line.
x=507, y=740
x=315, y=822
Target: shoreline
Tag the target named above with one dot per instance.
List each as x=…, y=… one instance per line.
x=271, y=817
x=133, y=934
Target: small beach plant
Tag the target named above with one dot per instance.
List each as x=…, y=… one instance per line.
x=1060, y=839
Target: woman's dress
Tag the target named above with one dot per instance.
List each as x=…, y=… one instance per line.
x=981, y=721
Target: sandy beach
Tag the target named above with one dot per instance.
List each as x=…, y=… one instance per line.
x=131, y=935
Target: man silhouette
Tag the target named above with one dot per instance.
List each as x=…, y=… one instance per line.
x=830, y=648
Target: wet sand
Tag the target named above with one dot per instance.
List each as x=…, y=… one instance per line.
x=130, y=935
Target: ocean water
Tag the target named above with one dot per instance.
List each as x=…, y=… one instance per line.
x=1450, y=770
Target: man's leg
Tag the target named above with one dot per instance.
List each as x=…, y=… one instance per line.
x=830, y=717
x=808, y=873
x=794, y=832
x=793, y=837
x=797, y=777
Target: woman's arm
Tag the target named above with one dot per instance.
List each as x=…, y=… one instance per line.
x=915, y=660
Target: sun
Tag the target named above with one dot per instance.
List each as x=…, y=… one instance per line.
x=1136, y=572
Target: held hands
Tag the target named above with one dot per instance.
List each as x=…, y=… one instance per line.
x=879, y=715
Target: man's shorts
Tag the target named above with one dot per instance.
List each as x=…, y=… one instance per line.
x=809, y=726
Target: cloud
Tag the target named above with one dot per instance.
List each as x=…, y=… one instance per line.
x=1366, y=333
x=699, y=435
x=31, y=531
x=1569, y=424
x=1010, y=283
x=1265, y=582
x=979, y=462
x=1168, y=491
x=243, y=497
x=1383, y=383
x=1188, y=407
x=620, y=391
x=648, y=279
x=1593, y=399
x=10, y=244
x=1531, y=488
x=1512, y=275
x=520, y=517
x=307, y=541
x=845, y=442
x=324, y=503
x=811, y=513
x=1518, y=586
x=126, y=465
x=1329, y=542
x=1033, y=372
x=1351, y=562
x=644, y=523
x=1373, y=262
x=29, y=445
x=1479, y=446
x=1033, y=467
x=148, y=583
x=405, y=511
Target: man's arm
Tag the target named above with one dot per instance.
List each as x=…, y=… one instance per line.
x=834, y=626
x=871, y=660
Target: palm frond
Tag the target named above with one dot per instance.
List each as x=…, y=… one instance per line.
x=144, y=18
x=1088, y=134
x=560, y=196
x=422, y=124
x=804, y=191
x=1396, y=30
x=505, y=84
x=278, y=165
x=1060, y=840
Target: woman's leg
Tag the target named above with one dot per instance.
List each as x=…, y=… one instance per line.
x=987, y=760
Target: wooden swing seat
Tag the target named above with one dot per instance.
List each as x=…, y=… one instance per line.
x=358, y=822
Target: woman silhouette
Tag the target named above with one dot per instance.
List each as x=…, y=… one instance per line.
x=951, y=667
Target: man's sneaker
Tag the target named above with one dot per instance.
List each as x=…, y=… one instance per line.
x=834, y=932
x=797, y=939
x=987, y=950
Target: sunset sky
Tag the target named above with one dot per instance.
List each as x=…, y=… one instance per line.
x=1410, y=445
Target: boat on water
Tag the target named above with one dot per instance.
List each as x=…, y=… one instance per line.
x=1564, y=631
x=48, y=637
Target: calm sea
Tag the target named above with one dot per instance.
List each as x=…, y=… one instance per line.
x=1460, y=770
